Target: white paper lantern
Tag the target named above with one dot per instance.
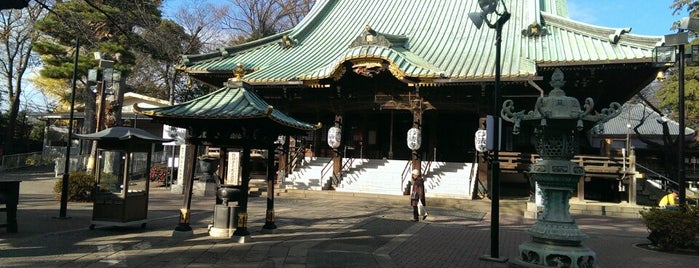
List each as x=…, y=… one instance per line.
x=480, y=140
x=334, y=137
x=414, y=138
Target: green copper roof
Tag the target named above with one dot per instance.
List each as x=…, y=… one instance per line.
x=427, y=40
x=236, y=105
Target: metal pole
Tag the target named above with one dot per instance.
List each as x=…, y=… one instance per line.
x=681, y=135
x=66, y=168
x=495, y=174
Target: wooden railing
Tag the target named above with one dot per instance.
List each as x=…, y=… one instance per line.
x=597, y=166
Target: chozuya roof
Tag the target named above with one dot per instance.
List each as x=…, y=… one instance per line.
x=425, y=40
x=123, y=134
x=232, y=102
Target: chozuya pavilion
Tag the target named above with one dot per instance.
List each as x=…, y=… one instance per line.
x=370, y=71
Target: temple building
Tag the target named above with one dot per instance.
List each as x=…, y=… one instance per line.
x=370, y=71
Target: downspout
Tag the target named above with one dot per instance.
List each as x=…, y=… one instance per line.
x=530, y=81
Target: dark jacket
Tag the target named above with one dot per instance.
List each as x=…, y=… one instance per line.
x=419, y=188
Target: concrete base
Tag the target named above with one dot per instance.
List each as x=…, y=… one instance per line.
x=221, y=232
x=242, y=239
x=200, y=188
x=487, y=257
x=176, y=188
x=533, y=254
x=177, y=233
x=268, y=231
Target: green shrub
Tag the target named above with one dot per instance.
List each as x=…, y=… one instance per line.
x=80, y=186
x=672, y=229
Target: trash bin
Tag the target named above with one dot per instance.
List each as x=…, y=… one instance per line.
x=9, y=196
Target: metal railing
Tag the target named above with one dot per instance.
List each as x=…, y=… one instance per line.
x=407, y=173
x=327, y=167
x=16, y=161
x=666, y=182
x=297, y=159
x=404, y=174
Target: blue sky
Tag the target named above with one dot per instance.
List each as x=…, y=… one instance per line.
x=645, y=17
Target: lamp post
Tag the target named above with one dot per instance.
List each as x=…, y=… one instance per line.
x=104, y=74
x=66, y=168
x=664, y=56
x=489, y=7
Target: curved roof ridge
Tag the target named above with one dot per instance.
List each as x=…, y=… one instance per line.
x=225, y=52
x=601, y=32
x=320, y=8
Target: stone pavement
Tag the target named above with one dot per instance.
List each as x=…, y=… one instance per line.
x=314, y=230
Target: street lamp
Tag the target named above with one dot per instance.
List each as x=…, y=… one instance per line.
x=679, y=40
x=66, y=165
x=489, y=7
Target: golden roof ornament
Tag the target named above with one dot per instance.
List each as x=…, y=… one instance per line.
x=239, y=72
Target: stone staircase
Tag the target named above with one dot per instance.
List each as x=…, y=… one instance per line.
x=374, y=176
x=378, y=176
x=307, y=176
x=449, y=182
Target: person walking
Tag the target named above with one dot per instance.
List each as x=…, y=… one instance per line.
x=417, y=196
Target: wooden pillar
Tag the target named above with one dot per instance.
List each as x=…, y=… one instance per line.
x=269, y=219
x=241, y=230
x=222, y=165
x=183, y=224
x=417, y=123
x=337, y=158
x=483, y=166
x=581, y=189
x=283, y=161
x=607, y=147
x=632, y=176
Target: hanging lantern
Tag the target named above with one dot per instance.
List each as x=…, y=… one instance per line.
x=480, y=140
x=334, y=137
x=280, y=140
x=414, y=138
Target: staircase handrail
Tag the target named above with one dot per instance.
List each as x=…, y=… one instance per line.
x=406, y=171
x=663, y=178
x=426, y=167
x=325, y=169
x=657, y=174
x=347, y=162
x=298, y=158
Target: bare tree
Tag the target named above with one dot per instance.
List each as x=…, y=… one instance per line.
x=295, y=11
x=17, y=36
x=193, y=28
x=203, y=23
x=259, y=18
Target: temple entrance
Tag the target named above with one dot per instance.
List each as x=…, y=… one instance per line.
x=446, y=136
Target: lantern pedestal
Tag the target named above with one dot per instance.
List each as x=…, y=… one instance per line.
x=557, y=118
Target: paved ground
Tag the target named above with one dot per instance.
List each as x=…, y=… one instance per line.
x=314, y=230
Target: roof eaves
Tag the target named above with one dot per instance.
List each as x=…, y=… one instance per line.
x=579, y=63
x=611, y=35
x=224, y=52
